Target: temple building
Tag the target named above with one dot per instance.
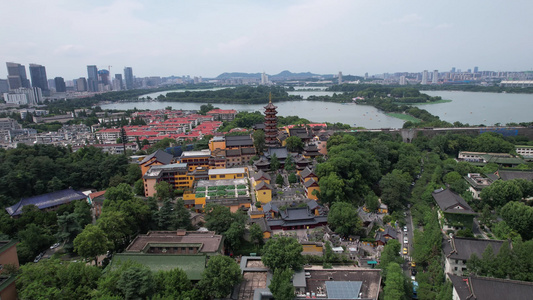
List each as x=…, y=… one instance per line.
x=271, y=125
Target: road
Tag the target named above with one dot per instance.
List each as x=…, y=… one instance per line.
x=410, y=235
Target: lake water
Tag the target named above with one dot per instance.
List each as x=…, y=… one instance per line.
x=466, y=107
x=482, y=108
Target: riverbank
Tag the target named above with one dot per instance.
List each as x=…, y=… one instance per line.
x=425, y=103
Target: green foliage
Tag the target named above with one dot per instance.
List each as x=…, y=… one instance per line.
x=343, y=219
x=519, y=217
x=136, y=282
x=501, y=192
x=55, y=279
x=279, y=179
x=256, y=234
x=240, y=94
x=294, y=144
x=372, y=201
x=292, y=178
x=281, y=284
x=395, y=189
x=289, y=163
x=390, y=254
x=259, y=140
x=33, y=239
x=427, y=243
x=182, y=216
x=91, y=242
x=274, y=163
x=395, y=283
x=166, y=216
x=283, y=252
x=163, y=190
x=172, y=284
x=138, y=187
x=221, y=274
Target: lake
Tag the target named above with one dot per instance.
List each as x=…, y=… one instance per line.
x=466, y=107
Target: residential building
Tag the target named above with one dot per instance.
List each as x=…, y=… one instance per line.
x=425, y=77
x=224, y=115
x=384, y=235
x=481, y=158
x=486, y=288
x=175, y=174
x=435, y=78
x=454, y=212
x=46, y=202
x=195, y=159
x=457, y=250
x=157, y=158
x=263, y=192
x=38, y=77
x=81, y=84
x=525, y=151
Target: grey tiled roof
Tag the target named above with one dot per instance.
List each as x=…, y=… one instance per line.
x=463, y=248
x=450, y=202
x=487, y=288
x=46, y=200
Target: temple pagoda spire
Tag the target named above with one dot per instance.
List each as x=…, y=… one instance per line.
x=271, y=124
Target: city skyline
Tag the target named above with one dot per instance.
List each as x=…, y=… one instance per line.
x=202, y=38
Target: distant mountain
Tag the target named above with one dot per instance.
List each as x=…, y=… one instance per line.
x=284, y=75
x=227, y=75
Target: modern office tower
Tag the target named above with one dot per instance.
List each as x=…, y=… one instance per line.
x=16, y=76
x=340, y=77
x=264, y=79
x=103, y=76
x=128, y=77
x=4, y=86
x=51, y=84
x=435, y=78
x=38, y=76
x=60, y=85
x=453, y=70
x=476, y=69
x=117, y=83
x=81, y=84
x=92, y=78
x=402, y=80
x=425, y=77
x=366, y=75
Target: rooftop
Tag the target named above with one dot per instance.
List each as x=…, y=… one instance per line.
x=450, y=202
x=226, y=171
x=46, y=200
x=486, y=288
x=160, y=156
x=210, y=242
x=201, y=153
x=463, y=248
x=156, y=171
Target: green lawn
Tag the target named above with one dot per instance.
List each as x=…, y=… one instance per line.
x=404, y=117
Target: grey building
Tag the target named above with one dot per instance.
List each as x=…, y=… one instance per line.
x=60, y=85
x=128, y=77
x=81, y=84
x=92, y=78
x=16, y=76
x=38, y=77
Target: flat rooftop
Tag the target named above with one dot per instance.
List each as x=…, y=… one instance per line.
x=370, y=280
x=210, y=241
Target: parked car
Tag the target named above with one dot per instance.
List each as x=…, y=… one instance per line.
x=405, y=250
x=405, y=228
x=55, y=245
x=405, y=240
x=413, y=272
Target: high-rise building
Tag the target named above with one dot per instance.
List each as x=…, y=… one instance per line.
x=453, y=70
x=51, y=84
x=60, y=85
x=92, y=78
x=128, y=77
x=81, y=84
x=117, y=83
x=264, y=78
x=425, y=77
x=4, y=86
x=38, y=77
x=103, y=76
x=476, y=69
x=402, y=80
x=340, y=77
x=16, y=76
x=435, y=78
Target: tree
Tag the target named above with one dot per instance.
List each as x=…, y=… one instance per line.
x=395, y=189
x=343, y=219
x=56, y=279
x=221, y=274
x=69, y=228
x=234, y=235
x=274, y=163
x=204, y=108
x=395, y=283
x=166, y=216
x=292, y=178
x=138, y=187
x=294, y=144
x=372, y=202
x=91, y=242
x=163, y=190
x=121, y=192
x=115, y=225
x=390, y=254
x=283, y=252
x=501, y=192
x=259, y=140
x=281, y=284
x=331, y=189
x=136, y=283
x=256, y=234
x=171, y=284
x=519, y=217
x=83, y=213
x=279, y=180
x=182, y=216
x=33, y=239
x=289, y=163
x=218, y=218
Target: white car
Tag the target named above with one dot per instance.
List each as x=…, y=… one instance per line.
x=405, y=240
x=405, y=228
x=55, y=245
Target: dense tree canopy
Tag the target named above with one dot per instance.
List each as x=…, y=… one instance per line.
x=221, y=274
x=343, y=219
x=283, y=252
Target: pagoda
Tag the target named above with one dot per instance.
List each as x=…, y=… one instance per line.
x=271, y=124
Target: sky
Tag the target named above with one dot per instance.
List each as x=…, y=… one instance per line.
x=207, y=38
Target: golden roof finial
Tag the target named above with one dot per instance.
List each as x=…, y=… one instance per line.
x=270, y=97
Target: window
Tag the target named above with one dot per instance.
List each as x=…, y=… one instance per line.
x=455, y=268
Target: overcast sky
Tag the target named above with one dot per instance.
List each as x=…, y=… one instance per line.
x=206, y=38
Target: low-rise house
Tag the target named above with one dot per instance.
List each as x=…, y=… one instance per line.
x=525, y=151
x=481, y=158
x=454, y=212
x=263, y=192
x=46, y=202
x=8, y=257
x=486, y=288
x=458, y=250
x=384, y=235
x=299, y=217
x=511, y=174
x=477, y=183
x=157, y=158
